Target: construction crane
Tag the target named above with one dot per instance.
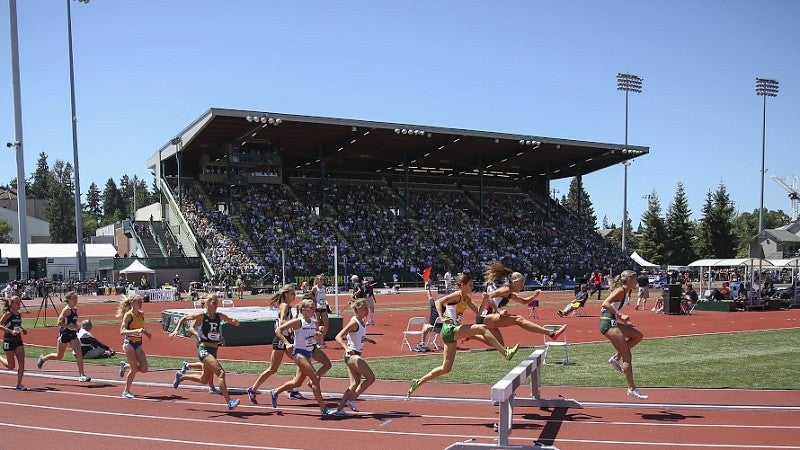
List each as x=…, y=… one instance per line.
x=794, y=195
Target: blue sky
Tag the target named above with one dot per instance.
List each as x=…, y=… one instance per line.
x=145, y=69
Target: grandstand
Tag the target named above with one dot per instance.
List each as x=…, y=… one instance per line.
x=254, y=192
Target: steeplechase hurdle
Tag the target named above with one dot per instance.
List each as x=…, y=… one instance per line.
x=503, y=394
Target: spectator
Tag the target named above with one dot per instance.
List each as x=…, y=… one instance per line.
x=580, y=301
x=644, y=291
x=369, y=296
x=91, y=347
x=597, y=283
x=723, y=293
x=689, y=298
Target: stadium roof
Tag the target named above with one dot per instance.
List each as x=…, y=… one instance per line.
x=349, y=148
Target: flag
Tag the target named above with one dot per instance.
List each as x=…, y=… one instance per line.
x=426, y=274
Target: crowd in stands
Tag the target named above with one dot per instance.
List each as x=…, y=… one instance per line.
x=442, y=228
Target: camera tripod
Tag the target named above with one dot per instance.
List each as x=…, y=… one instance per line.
x=43, y=307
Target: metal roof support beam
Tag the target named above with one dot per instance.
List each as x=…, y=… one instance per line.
x=480, y=192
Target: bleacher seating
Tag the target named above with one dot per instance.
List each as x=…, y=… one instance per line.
x=442, y=228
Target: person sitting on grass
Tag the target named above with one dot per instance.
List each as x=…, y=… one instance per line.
x=91, y=347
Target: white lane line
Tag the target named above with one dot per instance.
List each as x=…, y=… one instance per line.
x=137, y=437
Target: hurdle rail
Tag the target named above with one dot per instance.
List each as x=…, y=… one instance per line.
x=503, y=395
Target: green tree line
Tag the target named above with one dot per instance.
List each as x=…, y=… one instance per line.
x=55, y=185
x=674, y=238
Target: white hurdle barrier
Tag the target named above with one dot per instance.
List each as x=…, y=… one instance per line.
x=503, y=395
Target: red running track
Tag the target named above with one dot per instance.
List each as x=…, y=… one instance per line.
x=61, y=411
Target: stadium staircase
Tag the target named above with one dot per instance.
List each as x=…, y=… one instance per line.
x=149, y=243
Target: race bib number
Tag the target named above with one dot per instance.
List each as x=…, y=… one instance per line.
x=613, y=323
x=214, y=336
x=18, y=329
x=6, y=346
x=202, y=352
x=310, y=342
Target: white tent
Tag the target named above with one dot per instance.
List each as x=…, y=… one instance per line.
x=641, y=261
x=137, y=267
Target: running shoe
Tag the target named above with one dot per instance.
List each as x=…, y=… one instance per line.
x=251, y=394
x=127, y=394
x=40, y=362
x=121, y=369
x=615, y=364
x=555, y=334
x=296, y=395
x=327, y=411
x=511, y=351
x=341, y=413
x=412, y=388
x=352, y=405
x=636, y=394
x=21, y=387
x=214, y=390
x=233, y=404
x=84, y=379
x=422, y=348
x=560, y=313
x=184, y=367
x=273, y=398
x=177, y=382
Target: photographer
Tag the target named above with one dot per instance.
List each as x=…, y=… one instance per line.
x=91, y=347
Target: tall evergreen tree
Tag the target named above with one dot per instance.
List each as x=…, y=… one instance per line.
x=140, y=196
x=679, y=246
x=716, y=238
x=155, y=197
x=93, y=206
x=60, y=205
x=579, y=204
x=653, y=239
x=42, y=179
x=112, y=203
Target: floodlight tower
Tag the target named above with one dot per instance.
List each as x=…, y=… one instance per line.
x=765, y=87
x=629, y=83
x=78, y=210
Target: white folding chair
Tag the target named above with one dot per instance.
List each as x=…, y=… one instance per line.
x=227, y=303
x=560, y=342
x=435, y=332
x=413, y=329
x=578, y=312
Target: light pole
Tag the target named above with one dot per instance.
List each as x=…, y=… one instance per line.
x=765, y=87
x=22, y=212
x=629, y=83
x=78, y=213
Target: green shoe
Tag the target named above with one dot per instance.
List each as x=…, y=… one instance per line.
x=511, y=351
x=414, y=386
